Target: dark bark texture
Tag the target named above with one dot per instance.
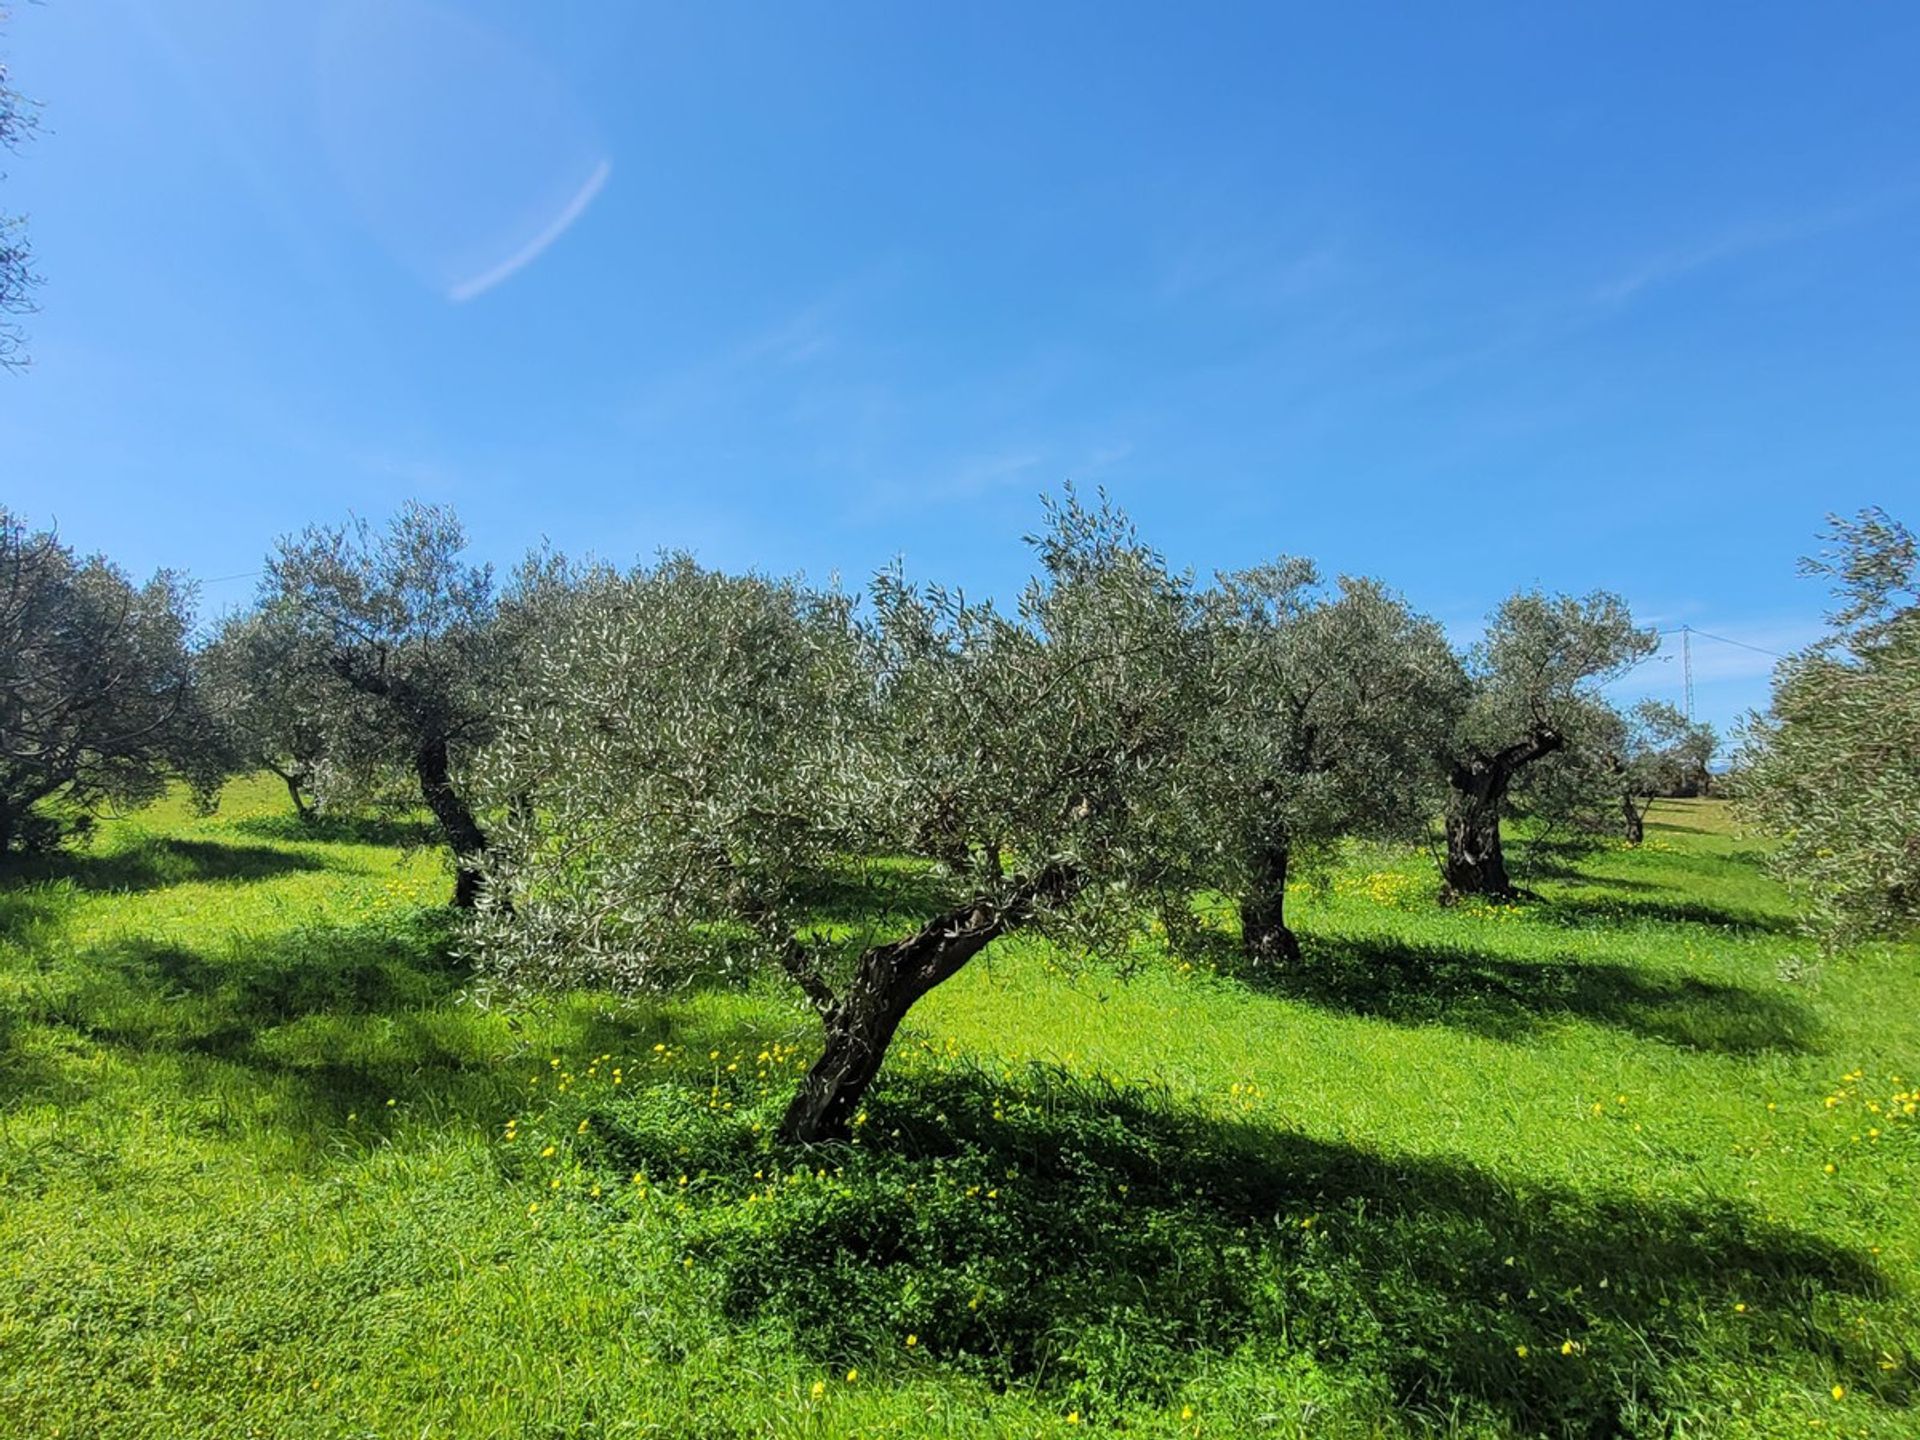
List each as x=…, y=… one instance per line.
x=1475, y=863
x=433, y=730
x=1635, y=819
x=296, y=783
x=860, y=1023
x=1264, y=935
x=463, y=834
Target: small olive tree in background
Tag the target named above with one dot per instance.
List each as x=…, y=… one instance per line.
x=714, y=755
x=1327, y=715
x=18, y=119
x=98, y=702
x=1656, y=751
x=266, y=681
x=392, y=635
x=1535, y=681
x=1833, y=769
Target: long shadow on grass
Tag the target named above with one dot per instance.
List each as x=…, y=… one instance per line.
x=1586, y=911
x=157, y=862
x=332, y=1020
x=390, y=830
x=1506, y=999
x=1587, y=899
x=1107, y=1245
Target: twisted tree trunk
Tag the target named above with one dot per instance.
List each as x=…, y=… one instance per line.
x=1635, y=817
x=1475, y=863
x=860, y=1023
x=295, y=781
x=463, y=833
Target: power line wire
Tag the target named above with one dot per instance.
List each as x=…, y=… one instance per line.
x=1709, y=635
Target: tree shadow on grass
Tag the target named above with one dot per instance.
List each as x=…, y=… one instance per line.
x=1428, y=984
x=23, y=910
x=1584, y=910
x=396, y=831
x=1117, y=1243
x=1109, y=1244
x=331, y=1021
x=155, y=862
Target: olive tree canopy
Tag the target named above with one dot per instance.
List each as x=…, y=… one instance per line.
x=393, y=636
x=1834, y=768
x=266, y=682
x=1327, y=715
x=97, y=697
x=17, y=121
x=1657, y=751
x=714, y=754
x=1535, y=676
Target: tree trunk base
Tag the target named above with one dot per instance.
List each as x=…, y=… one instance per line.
x=1271, y=944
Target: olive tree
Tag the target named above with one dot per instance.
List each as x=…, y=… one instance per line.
x=391, y=633
x=17, y=279
x=97, y=697
x=1327, y=715
x=1833, y=769
x=711, y=753
x=1535, y=679
x=1656, y=751
x=267, y=684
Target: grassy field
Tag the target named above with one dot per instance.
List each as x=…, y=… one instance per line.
x=1625, y=1162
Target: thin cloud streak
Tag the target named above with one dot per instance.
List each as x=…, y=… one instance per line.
x=1744, y=239
x=534, y=248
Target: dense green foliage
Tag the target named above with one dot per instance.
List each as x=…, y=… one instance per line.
x=1532, y=739
x=387, y=641
x=1834, y=769
x=701, y=756
x=18, y=119
x=265, y=678
x=98, y=704
x=1325, y=717
x=264, y=1170
x=1659, y=752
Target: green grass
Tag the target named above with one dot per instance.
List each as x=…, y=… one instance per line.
x=267, y=1169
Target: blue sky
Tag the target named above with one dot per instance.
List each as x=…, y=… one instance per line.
x=1465, y=296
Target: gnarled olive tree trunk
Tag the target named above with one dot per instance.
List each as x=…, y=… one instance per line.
x=860, y=1023
x=296, y=783
x=433, y=767
x=1635, y=818
x=1264, y=935
x=1474, y=863
x=463, y=833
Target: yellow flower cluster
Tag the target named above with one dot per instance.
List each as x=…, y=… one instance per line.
x=1902, y=1102
x=1381, y=887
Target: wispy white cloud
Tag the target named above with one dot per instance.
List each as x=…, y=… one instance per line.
x=1742, y=239
x=803, y=337
x=975, y=475
x=562, y=221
